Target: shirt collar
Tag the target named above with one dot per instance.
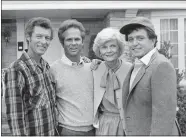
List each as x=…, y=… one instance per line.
x=70, y=63
x=32, y=63
x=146, y=59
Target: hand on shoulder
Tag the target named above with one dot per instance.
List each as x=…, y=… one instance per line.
x=95, y=63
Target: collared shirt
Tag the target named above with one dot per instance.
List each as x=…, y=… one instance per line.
x=70, y=63
x=146, y=59
x=139, y=63
x=30, y=97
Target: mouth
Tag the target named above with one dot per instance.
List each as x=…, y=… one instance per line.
x=73, y=49
x=109, y=55
x=136, y=49
x=42, y=47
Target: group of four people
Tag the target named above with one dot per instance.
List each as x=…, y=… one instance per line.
x=74, y=96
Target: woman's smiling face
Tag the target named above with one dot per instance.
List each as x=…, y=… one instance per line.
x=109, y=51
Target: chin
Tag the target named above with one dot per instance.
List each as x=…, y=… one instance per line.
x=109, y=60
x=138, y=55
x=41, y=53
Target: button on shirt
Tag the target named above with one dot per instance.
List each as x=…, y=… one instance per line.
x=139, y=63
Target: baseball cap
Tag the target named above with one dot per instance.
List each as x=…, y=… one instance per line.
x=136, y=22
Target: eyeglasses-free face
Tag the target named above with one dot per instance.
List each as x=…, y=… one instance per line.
x=109, y=51
x=73, y=43
x=139, y=43
x=39, y=41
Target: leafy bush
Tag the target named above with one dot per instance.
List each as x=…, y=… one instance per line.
x=181, y=96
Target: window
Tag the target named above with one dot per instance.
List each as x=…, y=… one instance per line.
x=169, y=33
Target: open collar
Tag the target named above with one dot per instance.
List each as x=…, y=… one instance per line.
x=70, y=63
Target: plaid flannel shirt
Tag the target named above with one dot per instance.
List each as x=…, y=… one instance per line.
x=30, y=97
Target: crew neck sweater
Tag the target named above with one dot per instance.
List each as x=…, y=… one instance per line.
x=74, y=91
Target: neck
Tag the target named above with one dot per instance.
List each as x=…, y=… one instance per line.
x=34, y=56
x=74, y=58
x=112, y=64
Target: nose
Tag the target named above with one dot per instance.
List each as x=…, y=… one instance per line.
x=109, y=49
x=73, y=42
x=135, y=42
x=43, y=40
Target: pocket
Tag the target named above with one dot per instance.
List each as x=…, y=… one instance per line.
x=39, y=100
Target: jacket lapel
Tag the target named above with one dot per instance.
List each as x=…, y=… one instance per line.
x=98, y=91
x=125, y=88
x=142, y=71
x=138, y=77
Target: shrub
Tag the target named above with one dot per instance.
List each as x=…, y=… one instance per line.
x=181, y=97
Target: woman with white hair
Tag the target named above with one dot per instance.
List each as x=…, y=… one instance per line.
x=109, y=78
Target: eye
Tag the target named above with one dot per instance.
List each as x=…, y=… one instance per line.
x=130, y=39
x=140, y=38
x=69, y=40
x=39, y=36
x=77, y=39
x=48, y=38
x=103, y=47
x=113, y=46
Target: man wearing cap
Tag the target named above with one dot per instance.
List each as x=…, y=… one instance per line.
x=150, y=106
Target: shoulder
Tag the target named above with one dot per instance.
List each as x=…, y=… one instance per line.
x=56, y=64
x=101, y=68
x=17, y=65
x=126, y=65
x=161, y=61
x=162, y=66
x=16, y=69
x=87, y=65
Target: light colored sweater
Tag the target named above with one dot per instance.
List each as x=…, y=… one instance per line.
x=74, y=95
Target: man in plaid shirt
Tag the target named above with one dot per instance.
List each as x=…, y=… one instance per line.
x=30, y=93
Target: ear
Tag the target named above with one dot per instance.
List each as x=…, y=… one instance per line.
x=28, y=38
x=153, y=41
x=82, y=46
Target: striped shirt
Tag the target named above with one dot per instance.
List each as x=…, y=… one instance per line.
x=30, y=97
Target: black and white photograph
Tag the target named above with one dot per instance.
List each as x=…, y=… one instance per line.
x=93, y=68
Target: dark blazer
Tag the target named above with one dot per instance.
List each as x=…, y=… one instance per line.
x=150, y=106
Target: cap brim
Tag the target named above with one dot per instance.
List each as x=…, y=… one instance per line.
x=125, y=29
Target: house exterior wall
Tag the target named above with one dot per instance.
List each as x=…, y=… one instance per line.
x=114, y=19
x=8, y=50
x=118, y=19
x=55, y=51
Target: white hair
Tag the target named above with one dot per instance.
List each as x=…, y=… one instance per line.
x=106, y=35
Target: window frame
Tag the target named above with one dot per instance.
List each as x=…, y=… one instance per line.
x=156, y=16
